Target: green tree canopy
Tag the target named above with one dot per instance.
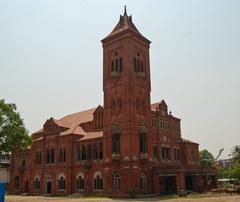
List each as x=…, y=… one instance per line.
x=235, y=154
x=12, y=130
x=206, y=158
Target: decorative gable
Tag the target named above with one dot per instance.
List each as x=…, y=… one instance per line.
x=51, y=126
x=98, y=117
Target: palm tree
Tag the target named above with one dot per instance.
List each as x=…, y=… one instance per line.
x=235, y=154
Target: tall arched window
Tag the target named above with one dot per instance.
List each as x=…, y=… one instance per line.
x=117, y=182
x=80, y=181
x=61, y=182
x=16, y=182
x=83, y=153
x=98, y=181
x=143, y=143
x=95, y=151
x=116, y=65
x=116, y=139
x=89, y=152
x=100, y=151
x=36, y=183
x=143, y=182
x=116, y=143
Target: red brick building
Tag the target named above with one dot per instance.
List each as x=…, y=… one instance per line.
x=126, y=144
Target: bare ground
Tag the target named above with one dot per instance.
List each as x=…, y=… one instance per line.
x=212, y=198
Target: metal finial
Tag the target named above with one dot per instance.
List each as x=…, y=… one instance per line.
x=125, y=9
x=170, y=113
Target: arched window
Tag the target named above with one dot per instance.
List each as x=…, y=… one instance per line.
x=117, y=182
x=83, y=157
x=112, y=66
x=80, y=181
x=77, y=153
x=36, y=183
x=143, y=143
x=142, y=70
x=89, y=152
x=138, y=65
x=143, y=182
x=61, y=182
x=116, y=65
x=135, y=64
x=95, y=151
x=16, y=182
x=100, y=153
x=98, y=181
x=120, y=64
x=116, y=143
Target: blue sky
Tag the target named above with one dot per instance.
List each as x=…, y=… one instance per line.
x=51, y=60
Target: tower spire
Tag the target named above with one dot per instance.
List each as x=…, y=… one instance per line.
x=125, y=10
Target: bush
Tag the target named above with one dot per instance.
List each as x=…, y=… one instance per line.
x=133, y=192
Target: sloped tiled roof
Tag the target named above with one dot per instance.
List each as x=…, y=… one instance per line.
x=155, y=105
x=72, y=122
x=188, y=141
x=92, y=135
x=80, y=117
x=125, y=23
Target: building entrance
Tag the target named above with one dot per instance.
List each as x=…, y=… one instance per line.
x=26, y=185
x=48, y=186
x=168, y=185
x=189, y=182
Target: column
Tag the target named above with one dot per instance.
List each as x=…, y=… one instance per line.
x=180, y=181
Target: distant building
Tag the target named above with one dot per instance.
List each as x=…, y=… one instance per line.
x=4, y=167
x=128, y=143
x=225, y=163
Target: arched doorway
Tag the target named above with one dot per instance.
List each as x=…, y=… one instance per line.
x=26, y=186
x=48, y=185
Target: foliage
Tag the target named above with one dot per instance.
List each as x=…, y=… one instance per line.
x=12, y=130
x=226, y=185
x=223, y=173
x=133, y=192
x=234, y=170
x=235, y=154
x=206, y=158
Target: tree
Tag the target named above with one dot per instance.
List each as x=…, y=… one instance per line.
x=12, y=130
x=235, y=154
x=206, y=158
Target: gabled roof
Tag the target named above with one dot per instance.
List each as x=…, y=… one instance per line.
x=99, y=108
x=155, y=105
x=125, y=23
x=56, y=122
x=72, y=121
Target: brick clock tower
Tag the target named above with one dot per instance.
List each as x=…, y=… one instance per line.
x=128, y=146
x=127, y=112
